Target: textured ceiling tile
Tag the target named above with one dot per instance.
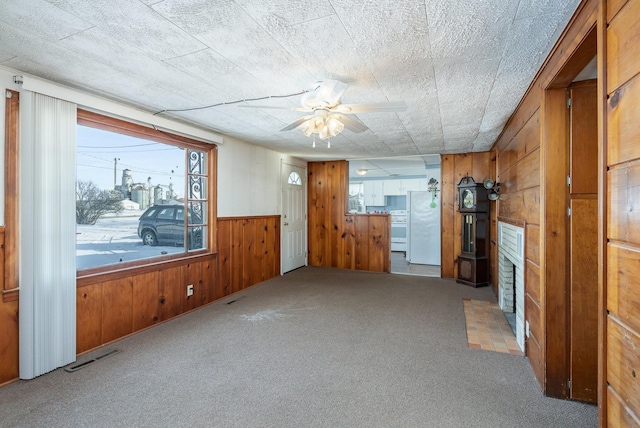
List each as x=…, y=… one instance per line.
x=40, y=19
x=235, y=35
x=541, y=8
x=461, y=67
x=134, y=64
x=135, y=23
x=462, y=27
x=272, y=14
x=48, y=60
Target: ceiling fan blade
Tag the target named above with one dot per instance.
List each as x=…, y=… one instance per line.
x=350, y=124
x=392, y=106
x=297, y=123
x=330, y=91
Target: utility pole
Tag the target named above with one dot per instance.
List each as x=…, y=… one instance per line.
x=115, y=166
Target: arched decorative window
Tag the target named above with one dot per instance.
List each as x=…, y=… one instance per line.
x=294, y=178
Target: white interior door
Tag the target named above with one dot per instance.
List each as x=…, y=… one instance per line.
x=294, y=219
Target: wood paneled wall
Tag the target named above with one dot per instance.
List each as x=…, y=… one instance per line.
x=339, y=240
x=531, y=164
x=620, y=359
x=248, y=251
x=8, y=323
x=115, y=305
x=452, y=169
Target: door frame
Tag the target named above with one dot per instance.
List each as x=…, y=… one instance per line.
x=305, y=190
x=554, y=221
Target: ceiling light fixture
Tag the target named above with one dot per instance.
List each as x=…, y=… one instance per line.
x=324, y=124
x=361, y=172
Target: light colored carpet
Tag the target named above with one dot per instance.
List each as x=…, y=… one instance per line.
x=314, y=348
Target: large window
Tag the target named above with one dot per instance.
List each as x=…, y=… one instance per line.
x=133, y=187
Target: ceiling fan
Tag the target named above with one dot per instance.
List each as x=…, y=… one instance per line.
x=328, y=116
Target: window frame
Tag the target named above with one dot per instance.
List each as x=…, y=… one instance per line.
x=107, y=123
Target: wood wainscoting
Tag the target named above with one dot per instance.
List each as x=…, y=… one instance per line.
x=338, y=239
x=114, y=305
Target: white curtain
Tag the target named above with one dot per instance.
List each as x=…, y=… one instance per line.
x=47, y=234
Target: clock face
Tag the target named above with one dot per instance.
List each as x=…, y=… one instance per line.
x=467, y=198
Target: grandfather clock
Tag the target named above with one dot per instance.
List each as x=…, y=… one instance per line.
x=473, y=205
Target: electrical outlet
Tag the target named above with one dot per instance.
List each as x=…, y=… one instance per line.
x=189, y=290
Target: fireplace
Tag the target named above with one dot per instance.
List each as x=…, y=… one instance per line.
x=511, y=275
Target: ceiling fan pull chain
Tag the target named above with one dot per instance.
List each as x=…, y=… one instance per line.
x=314, y=141
x=329, y=144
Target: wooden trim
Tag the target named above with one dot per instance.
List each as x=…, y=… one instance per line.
x=157, y=264
x=11, y=185
x=10, y=295
x=108, y=123
x=111, y=124
x=602, y=212
x=250, y=217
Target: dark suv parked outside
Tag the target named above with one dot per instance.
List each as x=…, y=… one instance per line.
x=164, y=225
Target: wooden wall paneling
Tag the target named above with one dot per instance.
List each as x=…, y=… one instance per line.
x=532, y=281
x=633, y=202
x=193, y=276
x=9, y=341
x=378, y=238
x=613, y=7
x=208, y=281
x=349, y=236
x=223, y=281
x=88, y=317
x=532, y=243
x=527, y=171
x=313, y=224
x=264, y=257
x=237, y=264
x=481, y=162
x=248, y=253
x=623, y=111
x=339, y=190
x=11, y=202
x=146, y=300
x=117, y=309
x=536, y=359
x=617, y=206
x=533, y=316
x=584, y=137
x=447, y=215
x=623, y=364
x=623, y=49
x=623, y=293
x=529, y=105
x=362, y=241
x=618, y=413
x=171, y=292
x=554, y=171
x=275, y=245
x=584, y=299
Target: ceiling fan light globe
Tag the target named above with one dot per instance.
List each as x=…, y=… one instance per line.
x=488, y=183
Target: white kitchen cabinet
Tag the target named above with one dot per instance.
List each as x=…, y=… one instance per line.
x=401, y=187
x=374, y=193
x=393, y=187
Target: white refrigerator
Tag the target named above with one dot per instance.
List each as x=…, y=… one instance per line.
x=423, y=228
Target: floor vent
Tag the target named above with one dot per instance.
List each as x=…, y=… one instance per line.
x=235, y=300
x=78, y=366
